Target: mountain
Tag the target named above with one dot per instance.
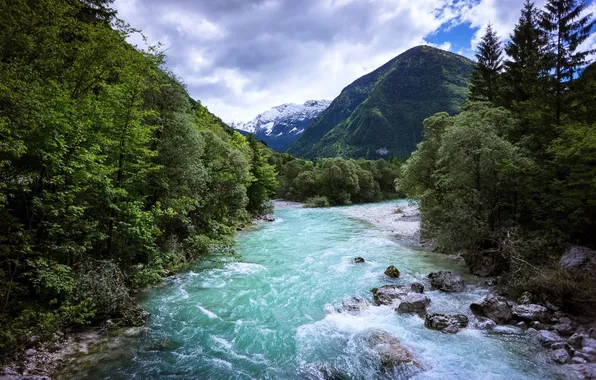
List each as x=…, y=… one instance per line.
x=282, y=125
x=381, y=113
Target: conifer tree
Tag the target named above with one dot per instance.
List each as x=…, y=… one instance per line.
x=489, y=56
x=566, y=27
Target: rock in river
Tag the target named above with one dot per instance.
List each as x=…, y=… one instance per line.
x=385, y=294
x=392, y=272
x=531, y=312
x=413, y=303
x=389, y=349
x=446, y=323
x=495, y=307
x=446, y=281
x=548, y=338
x=417, y=287
x=359, y=260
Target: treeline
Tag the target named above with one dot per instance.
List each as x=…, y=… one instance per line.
x=335, y=181
x=110, y=175
x=512, y=179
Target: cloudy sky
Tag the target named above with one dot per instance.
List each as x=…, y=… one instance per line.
x=242, y=57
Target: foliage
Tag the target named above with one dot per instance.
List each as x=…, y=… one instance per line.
x=484, y=83
x=110, y=175
x=380, y=115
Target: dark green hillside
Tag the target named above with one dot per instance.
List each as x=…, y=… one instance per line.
x=385, y=109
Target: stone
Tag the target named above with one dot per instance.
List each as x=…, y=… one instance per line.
x=589, y=353
x=531, y=312
x=450, y=324
x=446, y=281
x=417, y=287
x=592, y=333
x=560, y=356
x=577, y=258
x=321, y=372
x=495, y=307
x=589, y=342
x=538, y=325
x=353, y=306
x=576, y=340
x=588, y=371
x=413, y=303
x=548, y=338
x=577, y=360
x=521, y=324
x=557, y=345
x=358, y=260
x=389, y=348
x=563, y=329
x=485, y=324
x=268, y=218
x=386, y=294
x=392, y=272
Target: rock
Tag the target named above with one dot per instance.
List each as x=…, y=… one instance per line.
x=392, y=272
x=548, y=338
x=268, y=218
x=575, y=340
x=446, y=281
x=389, y=349
x=587, y=370
x=495, y=307
x=525, y=298
x=358, y=260
x=413, y=303
x=353, y=306
x=592, y=333
x=565, y=320
x=322, y=372
x=560, y=356
x=579, y=258
x=417, y=287
x=557, y=345
x=538, y=325
x=521, y=325
x=385, y=294
x=589, y=342
x=485, y=324
x=563, y=329
x=446, y=323
x=531, y=312
x=589, y=353
x=577, y=360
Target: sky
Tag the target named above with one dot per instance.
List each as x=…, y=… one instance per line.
x=242, y=57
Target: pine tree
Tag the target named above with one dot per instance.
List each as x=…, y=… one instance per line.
x=524, y=50
x=484, y=81
x=566, y=27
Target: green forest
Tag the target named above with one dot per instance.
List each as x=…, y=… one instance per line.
x=511, y=180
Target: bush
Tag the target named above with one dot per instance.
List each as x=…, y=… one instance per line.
x=318, y=201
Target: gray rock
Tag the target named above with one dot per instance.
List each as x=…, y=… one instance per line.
x=589, y=342
x=354, y=306
x=450, y=324
x=548, y=338
x=389, y=349
x=386, y=294
x=392, y=272
x=485, y=324
x=577, y=360
x=557, y=345
x=531, y=312
x=538, y=325
x=589, y=353
x=576, y=340
x=521, y=324
x=560, y=356
x=563, y=329
x=576, y=258
x=586, y=370
x=413, y=303
x=495, y=307
x=446, y=281
x=592, y=333
x=358, y=260
x=417, y=287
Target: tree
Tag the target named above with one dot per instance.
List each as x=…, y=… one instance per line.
x=484, y=84
x=566, y=27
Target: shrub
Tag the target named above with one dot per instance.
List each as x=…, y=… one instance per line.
x=318, y=201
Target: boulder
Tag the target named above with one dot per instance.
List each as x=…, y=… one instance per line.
x=563, y=329
x=358, y=260
x=392, y=272
x=497, y=308
x=531, y=312
x=548, y=338
x=353, y=306
x=579, y=258
x=560, y=356
x=389, y=349
x=446, y=323
x=446, y=281
x=485, y=324
x=386, y=294
x=576, y=340
x=417, y=287
x=413, y=303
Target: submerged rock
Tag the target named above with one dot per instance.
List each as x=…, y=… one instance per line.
x=322, y=372
x=446, y=323
x=497, y=308
x=392, y=272
x=531, y=312
x=385, y=294
x=358, y=260
x=389, y=349
x=353, y=306
x=413, y=303
x=446, y=281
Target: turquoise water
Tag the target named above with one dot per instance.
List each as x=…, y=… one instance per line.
x=272, y=314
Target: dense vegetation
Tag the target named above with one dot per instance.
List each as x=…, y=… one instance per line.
x=511, y=180
x=381, y=113
x=335, y=181
x=110, y=175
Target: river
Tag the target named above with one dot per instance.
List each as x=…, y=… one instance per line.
x=272, y=314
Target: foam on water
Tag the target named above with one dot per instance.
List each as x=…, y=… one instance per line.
x=277, y=313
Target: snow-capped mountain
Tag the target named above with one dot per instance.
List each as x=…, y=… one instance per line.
x=282, y=125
